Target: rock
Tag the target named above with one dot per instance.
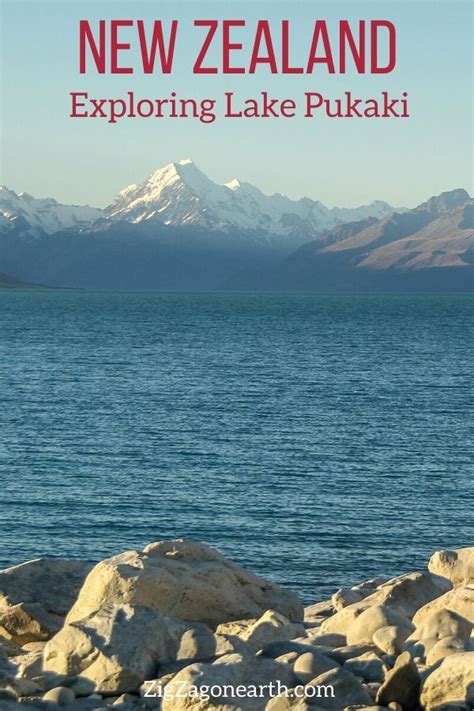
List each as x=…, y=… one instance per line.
x=92, y=703
x=339, y=688
x=7, y=668
x=10, y=649
x=290, y=702
x=390, y=639
x=455, y=565
x=61, y=696
x=442, y=623
x=114, y=650
x=348, y=596
x=125, y=627
x=437, y=625
x=312, y=664
x=8, y=695
x=29, y=665
x=50, y=582
x=198, y=642
x=270, y=627
x=362, y=630
x=325, y=608
x=342, y=620
x=125, y=699
x=33, y=647
x=368, y=666
x=304, y=640
x=460, y=600
x=227, y=674
x=25, y=687
x=314, y=624
x=407, y=593
x=237, y=628
x=288, y=658
x=35, y=596
x=446, y=646
x=419, y=650
x=450, y=683
x=372, y=687
x=342, y=654
x=186, y=580
x=331, y=639
x=276, y=649
x=28, y=622
x=401, y=684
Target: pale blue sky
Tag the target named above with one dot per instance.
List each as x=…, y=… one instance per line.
x=340, y=162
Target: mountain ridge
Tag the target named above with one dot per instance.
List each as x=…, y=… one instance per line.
x=41, y=215
x=178, y=230
x=436, y=238
x=7, y=281
x=180, y=194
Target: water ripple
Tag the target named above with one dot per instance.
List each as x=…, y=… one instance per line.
x=319, y=440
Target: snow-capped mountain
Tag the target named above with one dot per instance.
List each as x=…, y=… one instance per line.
x=181, y=195
x=181, y=231
x=34, y=216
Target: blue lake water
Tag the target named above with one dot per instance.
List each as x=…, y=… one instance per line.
x=319, y=440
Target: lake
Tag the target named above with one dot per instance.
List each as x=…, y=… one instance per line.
x=318, y=440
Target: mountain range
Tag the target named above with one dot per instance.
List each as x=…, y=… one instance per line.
x=178, y=230
x=429, y=248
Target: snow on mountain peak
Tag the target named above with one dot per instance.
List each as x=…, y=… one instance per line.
x=44, y=214
x=171, y=194
x=181, y=194
x=233, y=184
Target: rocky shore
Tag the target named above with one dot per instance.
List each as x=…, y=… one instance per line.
x=179, y=626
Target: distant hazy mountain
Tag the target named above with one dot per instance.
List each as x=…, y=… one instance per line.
x=178, y=230
x=428, y=248
x=9, y=282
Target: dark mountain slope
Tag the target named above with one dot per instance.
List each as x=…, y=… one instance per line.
x=10, y=282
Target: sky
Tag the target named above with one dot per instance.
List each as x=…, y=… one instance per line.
x=343, y=162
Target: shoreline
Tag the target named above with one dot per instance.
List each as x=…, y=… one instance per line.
x=180, y=618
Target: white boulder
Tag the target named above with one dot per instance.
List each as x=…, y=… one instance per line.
x=186, y=580
x=459, y=600
x=407, y=593
x=312, y=664
x=270, y=627
x=51, y=582
x=233, y=683
x=114, y=650
x=447, y=646
x=452, y=682
x=442, y=623
x=372, y=619
x=456, y=565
